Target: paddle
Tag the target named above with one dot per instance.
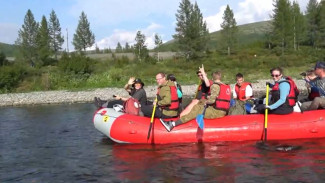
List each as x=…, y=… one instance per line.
x=263, y=145
x=200, y=118
x=152, y=116
x=266, y=113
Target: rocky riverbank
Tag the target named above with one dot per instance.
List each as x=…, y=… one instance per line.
x=55, y=97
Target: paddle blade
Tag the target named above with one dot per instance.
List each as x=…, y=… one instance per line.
x=200, y=121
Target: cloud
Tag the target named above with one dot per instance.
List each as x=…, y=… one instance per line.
x=8, y=32
x=247, y=11
x=214, y=21
x=125, y=36
x=254, y=10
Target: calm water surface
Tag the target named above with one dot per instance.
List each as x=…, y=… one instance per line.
x=58, y=143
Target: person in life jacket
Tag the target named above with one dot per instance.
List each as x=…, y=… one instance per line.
x=172, y=78
x=319, y=82
x=217, y=104
x=313, y=92
x=167, y=99
x=202, y=91
x=135, y=89
x=284, y=94
x=242, y=95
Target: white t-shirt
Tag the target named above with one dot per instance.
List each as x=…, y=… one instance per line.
x=248, y=91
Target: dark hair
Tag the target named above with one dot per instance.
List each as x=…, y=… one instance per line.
x=239, y=75
x=276, y=69
x=171, y=77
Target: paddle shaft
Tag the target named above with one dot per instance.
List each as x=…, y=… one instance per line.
x=152, y=116
x=266, y=112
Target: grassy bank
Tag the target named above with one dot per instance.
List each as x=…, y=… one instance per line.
x=81, y=73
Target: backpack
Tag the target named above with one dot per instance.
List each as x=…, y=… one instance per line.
x=132, y=106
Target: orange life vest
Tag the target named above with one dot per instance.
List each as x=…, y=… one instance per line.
x=241, y=90
x=293, y=93
x=174, y=105
x=223, y=100
x=204, y=90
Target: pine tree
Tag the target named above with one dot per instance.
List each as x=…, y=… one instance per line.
x=127, y=47
x=43, y=43
x=298, y=25
x=312, y=23
x=83, y=38
x=321, y=24
x=119, y=48
x=140, y=48
x=56, y=38
x=192, y=33
x=158, y=43
x=229, y=29
x=200, y=33
x=282, y=23
x=27, y=37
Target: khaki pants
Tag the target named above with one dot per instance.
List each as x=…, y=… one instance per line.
x=210, y=113
x=318, y=102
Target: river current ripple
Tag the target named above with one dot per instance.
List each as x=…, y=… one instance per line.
x=58, y=143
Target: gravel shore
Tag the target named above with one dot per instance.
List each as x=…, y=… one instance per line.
x=63, y=96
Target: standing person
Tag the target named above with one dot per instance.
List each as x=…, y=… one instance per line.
x=242, y=93
x=135, y=89
x=319, y=82
x=284, y=94
x=217, y=103
x=172, y=78
x=167, y=99
x=202, y=92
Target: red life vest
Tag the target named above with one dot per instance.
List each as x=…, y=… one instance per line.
x=204, y=92
x=174, y=99
x=132, y=106
x=223, y=100
x=293, y=93
x=241, y=90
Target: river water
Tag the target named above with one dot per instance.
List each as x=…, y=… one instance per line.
x=58, y=143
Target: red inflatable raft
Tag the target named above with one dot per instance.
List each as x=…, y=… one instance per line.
x=125, y=128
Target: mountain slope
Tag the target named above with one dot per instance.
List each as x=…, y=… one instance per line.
x=247, y=34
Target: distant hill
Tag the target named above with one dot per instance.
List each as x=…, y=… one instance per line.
x=8, y=49
x=247, y=34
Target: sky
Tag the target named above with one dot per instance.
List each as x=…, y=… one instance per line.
x=114, y=21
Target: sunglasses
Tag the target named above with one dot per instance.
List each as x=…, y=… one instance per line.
x=199, y=75
x=275, y=75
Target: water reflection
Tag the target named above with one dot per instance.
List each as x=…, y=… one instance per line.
x=58, y=143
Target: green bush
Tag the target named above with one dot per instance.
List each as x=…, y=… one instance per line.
x=75, y=64
x=10, y=77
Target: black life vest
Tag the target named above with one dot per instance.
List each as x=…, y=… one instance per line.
x=204, y=90
x=223, y=100
x=293, y=93
x=174, y=105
